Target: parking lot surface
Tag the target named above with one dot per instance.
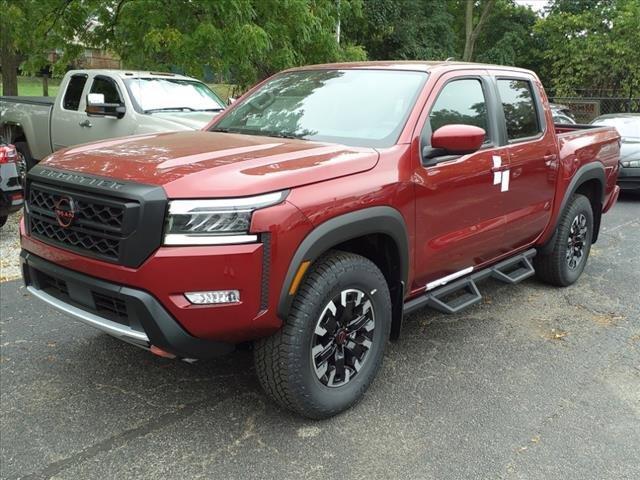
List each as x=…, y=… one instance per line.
x=535, y=382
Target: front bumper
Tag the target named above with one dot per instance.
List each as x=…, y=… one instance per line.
x=629, y=178
x=129, y=314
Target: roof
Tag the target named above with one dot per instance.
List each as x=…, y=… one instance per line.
x=133, y=73
x=412, y=65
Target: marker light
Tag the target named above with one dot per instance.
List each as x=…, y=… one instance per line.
x=213, y=297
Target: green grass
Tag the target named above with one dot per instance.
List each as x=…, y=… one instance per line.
x=32, y=87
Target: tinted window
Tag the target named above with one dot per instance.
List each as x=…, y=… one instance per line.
x=107, y=87
x=74, y=92
x=353, y=107
x=519, y=108
x=460, y=101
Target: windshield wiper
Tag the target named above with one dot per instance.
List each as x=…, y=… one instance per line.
x=167, y=109
x=216, y=109
x=262, y=133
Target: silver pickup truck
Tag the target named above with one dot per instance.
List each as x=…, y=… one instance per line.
x=98, y=104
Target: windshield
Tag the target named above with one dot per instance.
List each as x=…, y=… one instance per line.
x=628, y=127
x=157, y=94
x=352, y=107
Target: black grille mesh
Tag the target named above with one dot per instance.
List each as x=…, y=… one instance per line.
x=87, y=211
x=97, y=226
x=93, y=243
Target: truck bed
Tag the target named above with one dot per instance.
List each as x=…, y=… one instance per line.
x=30, y=100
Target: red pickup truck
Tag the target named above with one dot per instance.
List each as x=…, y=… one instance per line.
x=307, y=219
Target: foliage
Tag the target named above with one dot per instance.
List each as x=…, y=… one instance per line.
x=577, y=45
x=592, y=45
x=41, y=27
x=403, y=29
x=242, y=40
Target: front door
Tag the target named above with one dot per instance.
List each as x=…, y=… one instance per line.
x=460, y=212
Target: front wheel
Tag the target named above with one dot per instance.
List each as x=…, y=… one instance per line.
x=564, y=264
x=331, y=346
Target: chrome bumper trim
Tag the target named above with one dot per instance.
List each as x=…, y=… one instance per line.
x=112, y=328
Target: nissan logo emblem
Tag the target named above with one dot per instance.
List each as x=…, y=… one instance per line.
x=65, y=209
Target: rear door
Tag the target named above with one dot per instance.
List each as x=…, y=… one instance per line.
x=532, y=150
x=460, y=209
x=67, y=113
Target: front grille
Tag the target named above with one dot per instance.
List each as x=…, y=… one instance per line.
x=98, y=226
x=106, y=247
x=111, y=306
x=95, y=213
x=115, y=221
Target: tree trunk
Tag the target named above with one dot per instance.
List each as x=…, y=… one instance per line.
x=471, y=32
x=337, y=30
x=45, y=84
x=9, y=62
x=468, y=31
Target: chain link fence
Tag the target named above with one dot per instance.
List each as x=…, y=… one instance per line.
x=585, y=108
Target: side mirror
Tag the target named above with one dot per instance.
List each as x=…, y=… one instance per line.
x=455, y=139
x=96, y=107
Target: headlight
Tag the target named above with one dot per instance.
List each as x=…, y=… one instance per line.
x=215, y=222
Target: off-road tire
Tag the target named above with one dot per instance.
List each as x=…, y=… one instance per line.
x=552, y=267
x=284, y=362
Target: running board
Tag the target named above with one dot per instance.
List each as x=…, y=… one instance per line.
x=462, y=293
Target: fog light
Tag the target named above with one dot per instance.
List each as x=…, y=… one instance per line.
x=215, y=296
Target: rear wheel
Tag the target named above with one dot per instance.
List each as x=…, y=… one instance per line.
x=24, y=150
x=330, y=348
x=564, y=264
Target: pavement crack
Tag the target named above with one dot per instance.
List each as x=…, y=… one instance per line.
x=120, y=439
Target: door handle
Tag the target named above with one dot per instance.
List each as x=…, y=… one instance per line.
x=550, y=157
x=85, y=123
x=500, y=168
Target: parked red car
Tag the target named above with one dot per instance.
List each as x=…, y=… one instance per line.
x=314, y=213
x=12, y=169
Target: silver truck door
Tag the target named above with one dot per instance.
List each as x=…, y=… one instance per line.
x=67, y=114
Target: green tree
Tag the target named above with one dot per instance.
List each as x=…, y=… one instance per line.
x=592, y=45
x=32, y=30
x=403, y=29
x=244, y=40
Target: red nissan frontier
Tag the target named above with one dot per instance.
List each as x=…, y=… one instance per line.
x=317, y=211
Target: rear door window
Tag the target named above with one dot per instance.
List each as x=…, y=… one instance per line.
x=73, y=94
x=520, y=112
x=106, y=87
x=460, y=102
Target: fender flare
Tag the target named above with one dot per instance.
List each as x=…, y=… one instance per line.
x=372, y=220
x=590, y=171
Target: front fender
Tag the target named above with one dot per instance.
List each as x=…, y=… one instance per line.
x=373, y=220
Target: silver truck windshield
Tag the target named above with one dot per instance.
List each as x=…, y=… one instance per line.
x=352, y=107
x=165, y=94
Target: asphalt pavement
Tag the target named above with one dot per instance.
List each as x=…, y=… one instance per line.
x=534, y=383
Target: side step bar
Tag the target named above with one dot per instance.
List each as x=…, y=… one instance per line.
x=462, y=293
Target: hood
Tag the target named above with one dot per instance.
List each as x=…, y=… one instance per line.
x=629, y=150
x=199, y=164
x=184, y=120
